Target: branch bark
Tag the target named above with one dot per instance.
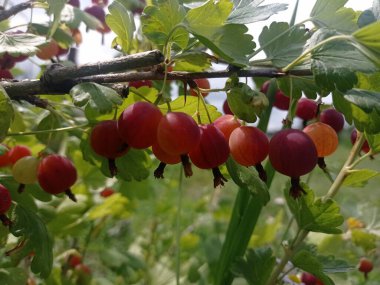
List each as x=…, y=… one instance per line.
x=6, y=14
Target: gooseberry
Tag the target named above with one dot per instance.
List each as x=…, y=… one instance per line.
x=56, y=174
x=24, y=171
x=310, y=279
x=48, y=50
x=306, y=109
x=164, y=159
x=226, y=108
x=137, y=125
x=98, y=13
x=75, y=3
x=333, y=118
x=366, y=266
x=293, y=153
x=74, y=260
x=106, y=141
x=211, y=152
x=141, y=83
x=106, y=192
x=325, y=140
x=5, y=204
x=100, y=2
x=365, y=146
x=281, y=101
x=202, y=83
x=249, y=146
x=5, y=74
x=17, y=152
x=4, y=157
x=226, y=124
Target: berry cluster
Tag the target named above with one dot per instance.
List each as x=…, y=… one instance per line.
x=54, y=173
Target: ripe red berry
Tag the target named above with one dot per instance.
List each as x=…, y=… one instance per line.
x=365, y=265
x=56, y=174
x=226, y=108
x=106, y=141
x=249, y=146
x=5, y=204
x=293, y=153
x=164, y=159
x=5, y=199
x=137, y=125
x=100, y=2
x=308, y=278
x=106, y=192
x=4, y=158
x=17, y=152
x=83, y=269
x=74, y=260
x=98, y=13
x=211, y=152
x=325, y=140
x=226, y=124
x=365, y=146
x=141, y=83
x=178, y=133
x=306, y=109
x=332, y=118
x=281, y=101
x=5, y=74
x=75, y=3
x=202, y=83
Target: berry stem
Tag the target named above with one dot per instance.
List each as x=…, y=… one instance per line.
x=21, y=188
x=70, y=195
x=159, y=172
x=48, y=131
x=261, y=171
x=186, y=165
x=219, y=179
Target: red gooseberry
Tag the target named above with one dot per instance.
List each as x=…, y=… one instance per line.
x=226, y=124
x=211, y=152
x=74, y=260
x=106, y=141
x=164, y=159
x=249, y=146
x=306, y=109
x=56, y=174
x=4, y=157
x=365, y=146
x=5, y=204
x=48, y=50
x=293, y=153
x=281, y=101
x=226, y=108
x=202, y=83
x=366, y=266
x=106, y=192
x=333, y=118
x=137, y=125
x=5, y=74
x=141, y=83
x=17, y=152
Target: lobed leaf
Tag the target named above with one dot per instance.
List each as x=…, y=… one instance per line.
x=256, y=266
x=359, y=177
x=314, y=215
x=333, y=15
x=251, y=11
x=49, y=122
x=95, y=99
x=20, y=44
x=286, y=48
x=194, y=61
x=122, y=23
x=134, y=164
x=374, y=142
x=159, y=20
x=55, y=9
x=30, y=227
x=60, y=36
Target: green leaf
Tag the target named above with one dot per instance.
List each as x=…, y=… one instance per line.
x=55, y=9
x=285, y=48
x=247, y=178
x=134, y=165
x=374, y=142
x=13, y=276
x=20, y=44
x=250, y=11
x=6, y=113
x=115, y=206
x=335, y=64
x=333, y=15
x=190, y=107
x=121, y=22
x=307, y=261
x=229, y=41
x=30, y=227
x=369, y=81
x=359, y=177
x=194, y=61
x=360, y=106
x=60, y=36
x=50, y=121
x=364, y=239
x=95, y=98
x=73, y=17
x=332, y=265
x=159, y=20
x=314, y=215
x=368, y=36
x=246, y=103
x=256, y=266
x=300, y=85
